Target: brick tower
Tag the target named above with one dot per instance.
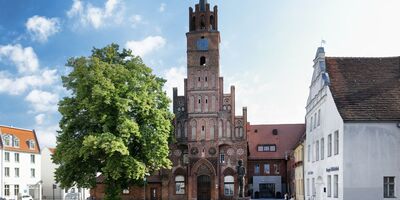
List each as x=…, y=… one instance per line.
x=210, y=139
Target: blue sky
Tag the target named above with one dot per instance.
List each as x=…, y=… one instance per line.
x=266, y=51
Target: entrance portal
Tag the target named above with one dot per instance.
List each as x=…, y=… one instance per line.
x=203, y=188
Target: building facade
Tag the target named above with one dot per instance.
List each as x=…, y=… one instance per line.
x=353, y=130
x=51, y=190
x=270, y=147
x=210, y=137
x=20, y=163
x=298, y=154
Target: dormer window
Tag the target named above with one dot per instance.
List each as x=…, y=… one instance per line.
x=16, y=142
x=7, y=140
x=31, y=144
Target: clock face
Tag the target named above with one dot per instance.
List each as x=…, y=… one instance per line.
x=202, y=44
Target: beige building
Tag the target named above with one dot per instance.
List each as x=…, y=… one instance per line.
x=299, y=169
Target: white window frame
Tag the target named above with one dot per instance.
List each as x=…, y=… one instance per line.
x=336, y=143
x=229, y=186
x=180, y=185
x=335, y=186
x=387, y=183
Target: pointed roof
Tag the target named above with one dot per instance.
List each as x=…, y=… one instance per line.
x=366, y=89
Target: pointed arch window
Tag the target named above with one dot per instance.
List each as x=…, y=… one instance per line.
x=203, y=61
x=179, y=184
x=212, y=22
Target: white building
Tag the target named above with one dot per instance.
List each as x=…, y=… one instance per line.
x=19, y=163
x=352, y=149
x=48, y=169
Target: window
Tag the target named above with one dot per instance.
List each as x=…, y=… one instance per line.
x=308, y=187
x=388, y=187
x=266, y=148
x=319, y=117
x=222, y=158
x=179, y=185
x=7, y=156
x=16, y=157
x=33, y=173
x=31, y=144
x=308, y=153
x=335, y=186
x=312, y=120
x=229, y=184
x=317, y=150
x=329, y=145
x=329, y=189
x=315, y=120
x=336, y=142
x=257, y=169
x=7, y=140
x=314, y=192
x=322, y=148
x=7, y=172
x=267, y=169
x=7, y=190
x=202, y=61
x=16, y=142
x=16, y=172
x=32, y=158
x=16, y=190
x=276, y=167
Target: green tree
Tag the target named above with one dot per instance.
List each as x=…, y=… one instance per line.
x=115, y=122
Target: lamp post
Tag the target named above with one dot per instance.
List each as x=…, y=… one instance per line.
x=54, y=187
x=144, y=192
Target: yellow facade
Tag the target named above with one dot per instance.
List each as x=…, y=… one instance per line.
x=299, y=171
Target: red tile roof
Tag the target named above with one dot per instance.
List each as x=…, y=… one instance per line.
x=365, y=88
x=285, y=141
x=24, y=136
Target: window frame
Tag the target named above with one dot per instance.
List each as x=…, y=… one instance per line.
x=330, y=145
x=180, y=183
x=266, y=148
x=231, y=184
x=6, y=190
x=267, y=166
x=16, y=157
x=329, y=186
x=335, y=186
x=7, y=156
x=387, y=183
x=336, y=143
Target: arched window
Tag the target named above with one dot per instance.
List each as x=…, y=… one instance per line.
x=179, y=131
x=206, y=104
x=220, y=125
x=193, y=27
x=228, y=129
x=212, y=126
x=203, y=22
x=15, y=142
x=229, y=185
x=202, y=61
x=185, y=130
x=193, y=125
x=212, y=22
x=213, y=99
x=203, y=130
x=241, y=132
x=191, y=104
x=179, y=185
x=198, y=104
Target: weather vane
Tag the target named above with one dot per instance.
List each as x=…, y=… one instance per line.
x=323, y=42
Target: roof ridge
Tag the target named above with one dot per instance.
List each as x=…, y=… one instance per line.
x=24, y=129
x=362, y=57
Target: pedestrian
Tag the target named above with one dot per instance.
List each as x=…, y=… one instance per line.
x=292, y=198
x=286, y=196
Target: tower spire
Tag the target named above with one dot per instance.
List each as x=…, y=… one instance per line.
x=203, y=4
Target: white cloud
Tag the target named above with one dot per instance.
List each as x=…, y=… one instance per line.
x=39, y=119
x=96, y=17
x=47, y=134
x=41, y=28
x=42, y=101
x=162, y=7
x=143, y=47
x=136, y=20
x=18, y=85
x=25, y=59
x=175, y=78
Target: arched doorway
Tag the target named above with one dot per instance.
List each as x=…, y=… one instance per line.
x=203, y=187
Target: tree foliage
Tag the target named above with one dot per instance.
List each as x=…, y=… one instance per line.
x=116, y=122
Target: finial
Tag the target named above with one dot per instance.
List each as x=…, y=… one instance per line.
x=203, y=4
x=323, y=42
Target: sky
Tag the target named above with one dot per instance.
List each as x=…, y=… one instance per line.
x=267, y=48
